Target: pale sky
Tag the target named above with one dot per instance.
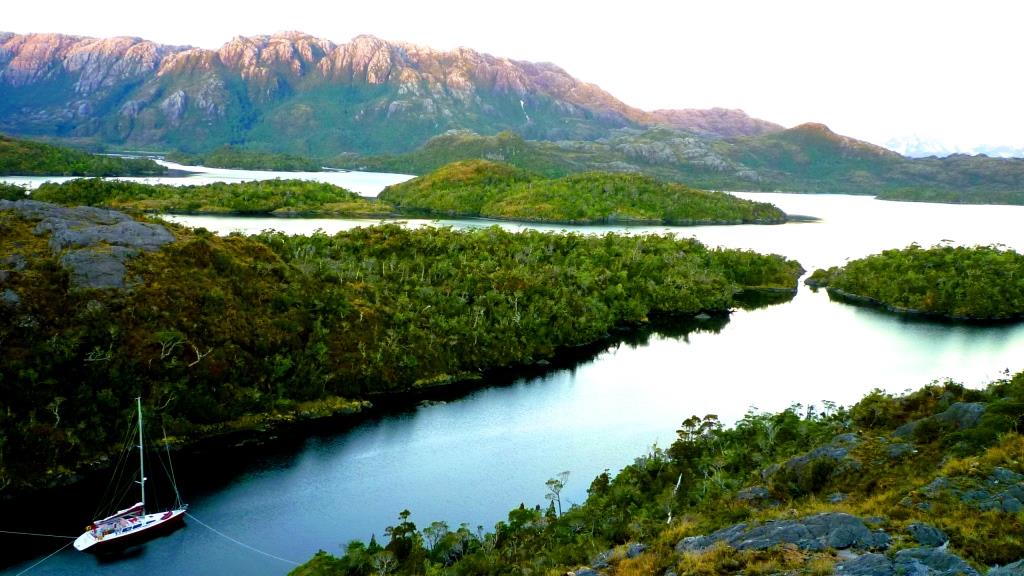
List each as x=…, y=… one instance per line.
x=875, y=70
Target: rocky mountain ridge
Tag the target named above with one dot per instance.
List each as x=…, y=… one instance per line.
x=130, y=91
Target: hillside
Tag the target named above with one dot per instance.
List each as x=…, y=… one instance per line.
x=19, y=157
x=930, y=483
x=809, y=158
x=493, y=190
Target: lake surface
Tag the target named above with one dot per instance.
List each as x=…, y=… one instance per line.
x=473, y=459
x=365, y=183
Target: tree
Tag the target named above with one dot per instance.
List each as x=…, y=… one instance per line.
x=383, y=562
x=555, y=486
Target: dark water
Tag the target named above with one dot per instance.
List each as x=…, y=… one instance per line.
x=473, y=459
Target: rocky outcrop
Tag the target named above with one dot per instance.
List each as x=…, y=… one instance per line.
x=92, y=243
x=817, y=465
x=959, y=416
x=923, y=561
x=1002, y=490
x=835, y=530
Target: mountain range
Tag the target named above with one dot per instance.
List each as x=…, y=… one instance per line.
x=291, y=92
x=377, y=104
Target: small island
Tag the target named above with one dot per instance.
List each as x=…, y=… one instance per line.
x=19, y=157
x=263, y=197
x=981, y=283
x=481, y=188
x=241, y=159
x=930, y=482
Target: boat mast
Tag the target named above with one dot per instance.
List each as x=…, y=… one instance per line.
x=142, y=471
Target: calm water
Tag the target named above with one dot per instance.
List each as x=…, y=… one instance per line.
x=366, y=183
x=473, y=459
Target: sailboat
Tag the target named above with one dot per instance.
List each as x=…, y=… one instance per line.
x=131, y=525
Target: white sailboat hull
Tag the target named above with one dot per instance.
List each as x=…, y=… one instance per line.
x=136, y=530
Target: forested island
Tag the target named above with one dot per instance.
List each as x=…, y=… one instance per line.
x=931, y=482
x=20, y=157
x=961, y=283
x=241, y=159
x=273, y=197
x=225, y=333
x=495, y=190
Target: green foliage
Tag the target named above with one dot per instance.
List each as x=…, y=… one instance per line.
x=258, y=197
x=11, y=192
x=808, y=158
x=26, y=158
x=224, y=331
x=979, y=283
x=488, y=189
x=240, y=159
x=694, y=484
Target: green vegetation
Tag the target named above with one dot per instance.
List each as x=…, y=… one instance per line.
x=27, y=158
x=809, y=158
x=220, y=332
x=236, y=158
x=979, y=283
x=902, y=460
x=488, y=189
x=279, y=197
x=11, y=192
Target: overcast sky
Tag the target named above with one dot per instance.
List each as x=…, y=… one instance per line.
x=875, y=70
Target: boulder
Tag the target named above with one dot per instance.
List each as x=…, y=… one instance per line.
x=9, y=298
x=870, y=564
x=927, y=561
x=926, y=534
x=961, y=416
x=1014, y=569
x=834, y=530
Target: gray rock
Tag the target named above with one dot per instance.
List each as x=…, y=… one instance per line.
x=10, y=298
x=755, y=495
x=15, y=262
x=899, y=450
x=866, y=565
x=100, y=241
x=1014, y=569
x=635, y=549
x=926, y=534
x=835, y=498
x=98, y=268
x=587, y=572
x=830, y=530
x=931, y=562
x=1005, y=476
x=963, y=415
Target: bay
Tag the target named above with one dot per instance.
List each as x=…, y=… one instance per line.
x=473, y=459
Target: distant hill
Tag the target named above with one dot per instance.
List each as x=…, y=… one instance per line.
x=20, y=157
x=494, y=190
x=809, y=158
x=299, y=94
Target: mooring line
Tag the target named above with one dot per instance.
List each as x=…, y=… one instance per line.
x=239, y=542
x=36, y=534
x=44, y=559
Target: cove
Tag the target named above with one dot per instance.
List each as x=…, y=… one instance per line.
x=473, y=459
